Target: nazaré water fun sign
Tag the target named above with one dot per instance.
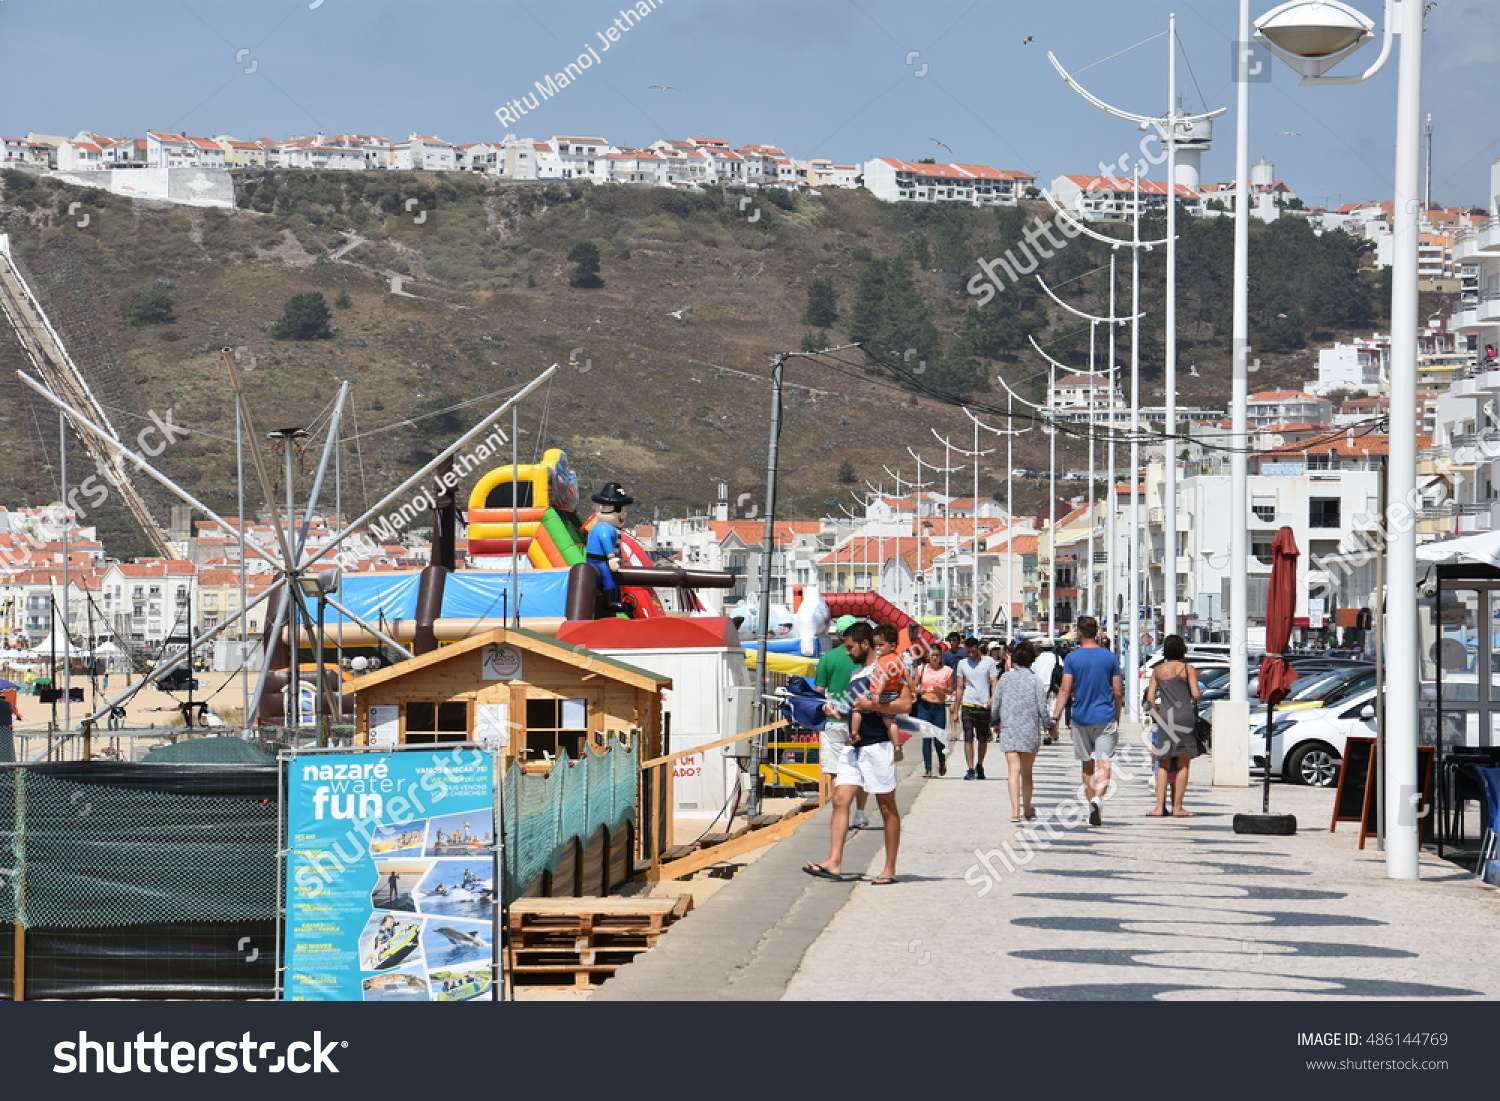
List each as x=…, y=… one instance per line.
x=390, y=876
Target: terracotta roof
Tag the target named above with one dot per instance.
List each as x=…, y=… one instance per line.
x=751, y=532
x=1282, y=395
x=1118, y=184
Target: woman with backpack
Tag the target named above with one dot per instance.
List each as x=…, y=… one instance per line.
x=1169, y=698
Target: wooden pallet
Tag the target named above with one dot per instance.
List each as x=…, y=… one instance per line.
x=583, y=941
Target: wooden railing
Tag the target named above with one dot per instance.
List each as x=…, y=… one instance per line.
x=656, y=802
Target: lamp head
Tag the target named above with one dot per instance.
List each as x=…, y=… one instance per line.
x=1312, y=36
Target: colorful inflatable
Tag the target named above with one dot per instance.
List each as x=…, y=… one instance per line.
x=531, y=512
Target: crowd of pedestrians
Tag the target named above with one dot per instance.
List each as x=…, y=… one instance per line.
x=1022, y=693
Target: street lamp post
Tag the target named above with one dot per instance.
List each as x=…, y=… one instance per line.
x=1313, y=36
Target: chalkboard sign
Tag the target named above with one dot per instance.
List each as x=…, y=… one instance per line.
x=1426, y=761
x=1355, y=778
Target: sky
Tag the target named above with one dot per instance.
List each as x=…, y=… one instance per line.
x=846, y=79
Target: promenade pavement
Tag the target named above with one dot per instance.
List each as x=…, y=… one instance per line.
x=1138, y=908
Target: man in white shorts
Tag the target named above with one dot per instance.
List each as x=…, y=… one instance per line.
x=868, y=764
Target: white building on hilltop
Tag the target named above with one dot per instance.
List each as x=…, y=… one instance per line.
x=897, y=181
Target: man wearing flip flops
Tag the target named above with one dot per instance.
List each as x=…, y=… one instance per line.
x=870, y=762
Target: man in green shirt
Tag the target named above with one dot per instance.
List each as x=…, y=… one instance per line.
x=835, y=669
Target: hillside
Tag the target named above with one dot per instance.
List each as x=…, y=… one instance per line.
x=665, y=365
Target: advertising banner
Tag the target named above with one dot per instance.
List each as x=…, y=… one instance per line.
x=391, y=892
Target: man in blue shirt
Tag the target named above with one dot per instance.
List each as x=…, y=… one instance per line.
x=603, y=549
x=1092, y=680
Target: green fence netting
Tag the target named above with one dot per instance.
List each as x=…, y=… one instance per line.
x=571, y=799
x=80, y=855
x=88, y=855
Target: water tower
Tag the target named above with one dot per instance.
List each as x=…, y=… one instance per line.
x=1262, y=174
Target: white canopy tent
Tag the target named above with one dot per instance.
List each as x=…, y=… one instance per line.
x=1482, y=547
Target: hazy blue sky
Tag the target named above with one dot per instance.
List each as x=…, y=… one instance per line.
x=847, y=79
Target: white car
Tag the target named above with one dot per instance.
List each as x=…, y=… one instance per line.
x=1307, y=747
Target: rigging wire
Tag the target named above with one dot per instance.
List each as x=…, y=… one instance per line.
x=1126, y=50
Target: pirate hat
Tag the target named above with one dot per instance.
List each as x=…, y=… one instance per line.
x=613, y=493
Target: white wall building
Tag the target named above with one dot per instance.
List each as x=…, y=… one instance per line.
x=420, y=153
x=913, y=181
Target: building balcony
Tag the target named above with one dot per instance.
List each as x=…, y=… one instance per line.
x=1479, y=242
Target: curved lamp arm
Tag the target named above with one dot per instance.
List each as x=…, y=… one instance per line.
x=1063, y=366
x=1112, y=242
x=1099, y=103
x=996, y=431
x=1087, y=316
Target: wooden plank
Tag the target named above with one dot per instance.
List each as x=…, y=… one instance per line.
x=747, y=843
x=713, y=745
x=610, y=904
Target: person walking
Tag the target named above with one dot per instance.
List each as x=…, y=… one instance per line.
x=1169, y=698
x=932, y=683
x=1094, y=685
x=1021, y=714
x=974, y=695
x=955, y=651
x=868, y=764
x=1043, y=666
x=834, y=671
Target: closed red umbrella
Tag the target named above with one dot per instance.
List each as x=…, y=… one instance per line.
x=1276, y=675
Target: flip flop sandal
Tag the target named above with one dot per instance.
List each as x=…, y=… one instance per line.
x=883, y=881
x=817, y=871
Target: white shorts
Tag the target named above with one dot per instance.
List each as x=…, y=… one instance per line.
x=872, y=767
x=831, y=753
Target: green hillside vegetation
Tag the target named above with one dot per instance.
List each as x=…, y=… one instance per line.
x=664, y=362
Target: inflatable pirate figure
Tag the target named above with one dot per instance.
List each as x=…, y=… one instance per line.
x=603, y=548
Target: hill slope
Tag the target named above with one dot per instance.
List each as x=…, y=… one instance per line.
x=665, y=367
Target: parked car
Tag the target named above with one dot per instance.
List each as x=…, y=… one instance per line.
x=1325, y=689
x=1307, y=747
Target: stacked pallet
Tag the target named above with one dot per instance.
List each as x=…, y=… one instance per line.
x=583, y=941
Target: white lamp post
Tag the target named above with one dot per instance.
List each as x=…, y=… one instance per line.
x=1313, y=36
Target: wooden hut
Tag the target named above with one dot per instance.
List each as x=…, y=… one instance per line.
x=529, y=691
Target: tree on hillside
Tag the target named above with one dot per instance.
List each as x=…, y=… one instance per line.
x=306, y=317
x=822, y=304
x=892, y=318
x=585, y=255
x=846, y=473
x=153, y=307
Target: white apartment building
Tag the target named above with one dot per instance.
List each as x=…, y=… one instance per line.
x=1115, y=198
x=486, y=157
x=420, y=153
x=913, y=181
x=1273, y=407
x=568, y=158
x=317, y=155
x=1328, y=511
x=637, y=168
x=148, y=602
x=1362, y=365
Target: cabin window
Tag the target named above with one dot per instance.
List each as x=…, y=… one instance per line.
x=437, y=722
x=553, y=725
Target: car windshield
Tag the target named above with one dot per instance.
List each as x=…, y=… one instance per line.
x=1350, y=688
x=1317, y=687
x=1213, y=678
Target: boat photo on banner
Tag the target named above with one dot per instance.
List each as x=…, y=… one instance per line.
x=391, y=891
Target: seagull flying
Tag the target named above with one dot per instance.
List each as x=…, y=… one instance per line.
x=944, y=145
x=662, y=88
x=1028, y=40
x=677, y=313
x=1289, y=133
